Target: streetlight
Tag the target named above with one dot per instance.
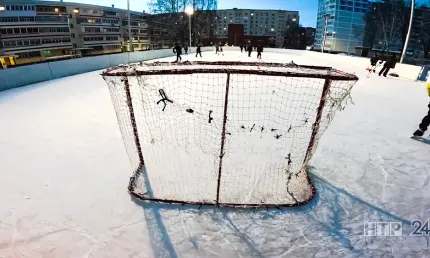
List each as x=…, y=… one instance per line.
x=189, y=10
x=130, y=38
x=326, y=17
x=333, y=40
x=405, y=48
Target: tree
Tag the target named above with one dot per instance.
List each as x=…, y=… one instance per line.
x=172, y=14
x=424, y=31
x=387, y=23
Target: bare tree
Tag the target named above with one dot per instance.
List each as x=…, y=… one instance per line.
x=387, y=22
x=172, y=14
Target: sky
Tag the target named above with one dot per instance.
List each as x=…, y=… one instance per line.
x=307, y=8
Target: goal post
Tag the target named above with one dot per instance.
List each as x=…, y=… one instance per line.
x=224, y=133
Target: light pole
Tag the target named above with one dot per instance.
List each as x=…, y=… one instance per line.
x=326, y=17
x=405, y=48
x=333, y=41
x=130, y=38
x=189, y=10
x=69, y=17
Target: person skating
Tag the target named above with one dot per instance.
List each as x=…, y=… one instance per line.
x=259, y=50
x=178, y=50
x=216, y=48
x=389, y=64
x=249, y=50
x=373, y=63
x=221, y=51
x=199, y=50
x=241, y=48
x=426, y=120
x=186, y=49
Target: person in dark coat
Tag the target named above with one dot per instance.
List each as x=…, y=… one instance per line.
x=389, y=64
x=216, y=48
x=259, y=50
x=249, y=50
x=186, y=49
x=241, y=48
x=373, y=63
x=425, y=123
x=199, y=50
x=178, y=50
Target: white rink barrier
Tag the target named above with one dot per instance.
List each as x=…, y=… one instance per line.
x=412, y=72
x=29, y=74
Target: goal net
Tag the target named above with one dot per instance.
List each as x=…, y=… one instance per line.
x=224, y=133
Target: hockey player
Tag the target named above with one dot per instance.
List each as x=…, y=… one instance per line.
x=178, y=50
x=259, y=50
x=389, y=63
x=426, y=120
x=249, y=50
x=373, y=63
x=199, y=50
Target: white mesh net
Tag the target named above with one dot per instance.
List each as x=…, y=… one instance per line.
x=224, y=134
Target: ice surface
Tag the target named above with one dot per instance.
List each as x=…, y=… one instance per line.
x=65, y=172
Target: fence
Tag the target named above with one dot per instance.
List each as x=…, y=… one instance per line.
x=25, y=75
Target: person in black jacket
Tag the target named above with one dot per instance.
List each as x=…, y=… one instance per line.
x=241, y=48
x=249, y=50
x=178, y=50
x=259, y=50
x=199, y=50
x=373, y=63
x=389, y=64
x=186, y=49
x=425, y=123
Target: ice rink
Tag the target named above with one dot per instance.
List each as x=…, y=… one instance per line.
x=64, y=175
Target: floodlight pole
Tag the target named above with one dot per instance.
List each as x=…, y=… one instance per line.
x=189, y=25
x=405, y=47
x=325, y=32
x=130, y=38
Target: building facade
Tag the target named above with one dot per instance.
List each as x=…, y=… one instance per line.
x=42, y=30
x=268, y=26
x=344, y=21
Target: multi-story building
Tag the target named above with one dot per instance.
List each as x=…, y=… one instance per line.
x=266, y=26
x=310, y=36
x=344, y=22
x=41, y=30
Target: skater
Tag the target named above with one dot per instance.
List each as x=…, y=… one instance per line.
x=178, y=50
x=221, y=50
x=373, y=63
x=241, y=48
x=249, y=50
x=426, y=120
x=259, y=50
x=199, y=50
x=389, y=63
x=216, y=49
x=186, y=49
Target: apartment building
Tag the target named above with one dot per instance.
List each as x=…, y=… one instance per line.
x=345, y=26
x=35, y=30
x=267, y=27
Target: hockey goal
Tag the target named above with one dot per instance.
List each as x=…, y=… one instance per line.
x=224, y=133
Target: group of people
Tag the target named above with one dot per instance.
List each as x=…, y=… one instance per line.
x=249, y=50
x=177, y=49
x=376, y=61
